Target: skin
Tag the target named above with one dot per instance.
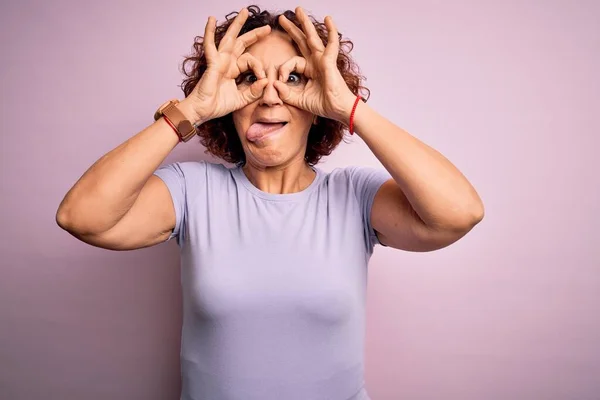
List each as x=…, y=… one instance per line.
x=275, y=164
x=428, y=204
x=407, y=213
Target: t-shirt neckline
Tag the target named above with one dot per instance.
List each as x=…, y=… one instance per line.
x=241, y=176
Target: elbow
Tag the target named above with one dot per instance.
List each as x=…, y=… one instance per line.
x=471, y=213
x=463, y=222
x=66, y=219
x=470, y=218
x=477, y=213
x=77, y=228
x=63, y=218
x=81, y=220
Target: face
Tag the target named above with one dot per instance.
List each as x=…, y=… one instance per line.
x=273, y=133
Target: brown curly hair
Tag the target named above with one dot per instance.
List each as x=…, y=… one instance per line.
x=219, y=135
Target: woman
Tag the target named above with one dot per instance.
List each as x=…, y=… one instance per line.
x=274, y=251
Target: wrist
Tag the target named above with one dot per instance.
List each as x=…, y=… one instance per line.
x=187, y=108
x=346, y=109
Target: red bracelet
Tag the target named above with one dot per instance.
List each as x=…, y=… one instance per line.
x=351, y=127
x=172, y=126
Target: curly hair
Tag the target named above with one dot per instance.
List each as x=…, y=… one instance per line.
x=219, y=135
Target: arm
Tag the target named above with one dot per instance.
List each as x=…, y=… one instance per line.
x=118, y=203
x=428, y=204
x=109, y=205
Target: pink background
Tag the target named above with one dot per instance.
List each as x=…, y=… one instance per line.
x=509, y=91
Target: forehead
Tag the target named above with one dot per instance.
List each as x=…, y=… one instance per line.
x=274, y=49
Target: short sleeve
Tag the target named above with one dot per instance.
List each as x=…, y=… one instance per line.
x=173, y=176
x=366, y=181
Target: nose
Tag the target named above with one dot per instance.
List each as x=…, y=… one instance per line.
x=270, y=95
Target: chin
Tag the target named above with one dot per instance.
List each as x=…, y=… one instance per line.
x=273, y=155
x=266, y=157
x=269, y=152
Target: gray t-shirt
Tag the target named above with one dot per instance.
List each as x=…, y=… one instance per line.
x=274, y=285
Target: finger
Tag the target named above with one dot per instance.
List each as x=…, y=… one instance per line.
x=255, y=91
x=296, y=34
x=209, y=39
x=313, y=39
x=286, y=94
x=234, y=29
x=296, y=63
x=248, y=62
x=333, y=41
x=249, y=38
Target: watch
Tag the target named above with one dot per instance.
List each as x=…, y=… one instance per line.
x=184, y=127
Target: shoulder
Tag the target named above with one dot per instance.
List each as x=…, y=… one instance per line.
x=358, y=176
x=340, y=174
x=200, y=166
x=194, y=170
x=194, y=177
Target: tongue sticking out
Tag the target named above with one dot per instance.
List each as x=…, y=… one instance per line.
x=259, y=129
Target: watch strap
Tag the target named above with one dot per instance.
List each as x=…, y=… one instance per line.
x=185, y=129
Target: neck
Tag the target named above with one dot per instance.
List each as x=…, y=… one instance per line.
x=291, y=178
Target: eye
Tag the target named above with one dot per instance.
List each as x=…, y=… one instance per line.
x=246, y=78
x=294, y=78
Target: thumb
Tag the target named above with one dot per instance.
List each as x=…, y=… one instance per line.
x=286, y=94
x=255, y=91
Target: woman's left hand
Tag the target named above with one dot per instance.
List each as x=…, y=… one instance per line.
x=326, y=94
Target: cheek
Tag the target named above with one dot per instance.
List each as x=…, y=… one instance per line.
x=240, y=121
x=303, y=118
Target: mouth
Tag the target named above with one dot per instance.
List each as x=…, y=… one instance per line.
x=263, y=129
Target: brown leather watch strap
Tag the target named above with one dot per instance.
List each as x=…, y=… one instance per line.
x=184, y=127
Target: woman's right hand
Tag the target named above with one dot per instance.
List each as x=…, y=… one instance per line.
x=217, y=94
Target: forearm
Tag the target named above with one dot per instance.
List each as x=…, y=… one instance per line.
x=438, y=192
x=109, y=188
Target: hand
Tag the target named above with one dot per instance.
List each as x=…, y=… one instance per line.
x=216, y=93
x=326, y=93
